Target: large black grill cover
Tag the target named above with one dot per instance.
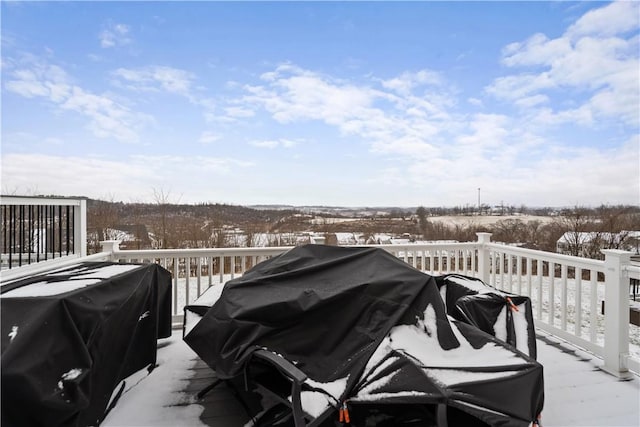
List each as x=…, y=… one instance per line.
x=70, y=336
x=335, y=313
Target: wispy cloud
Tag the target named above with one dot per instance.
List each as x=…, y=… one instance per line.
x=274, y=143
x=391, y=122
x=114, y=35
x=408, y=81
x=156, y=78
x=209, y=138
x=239, y=112
x=36, y=78
x=164, y=79
x=596, y=56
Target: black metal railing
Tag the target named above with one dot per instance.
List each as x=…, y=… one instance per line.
x=36, y=231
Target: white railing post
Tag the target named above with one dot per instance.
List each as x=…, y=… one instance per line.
x=112, y=247
x=483, y=256
x=80, y=228
x=616, y=313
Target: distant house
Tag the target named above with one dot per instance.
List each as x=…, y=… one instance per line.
x=379, y=239
x=346, y=238
x=589, y=244
x=318, y=240
x=131, y=236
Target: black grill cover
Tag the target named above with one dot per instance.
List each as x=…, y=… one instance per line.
x=325, y=307
x=334, y=312
x=495, y=312
x=64, y=353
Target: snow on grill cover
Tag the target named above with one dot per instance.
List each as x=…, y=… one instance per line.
x=70, y=336
x=369, y=330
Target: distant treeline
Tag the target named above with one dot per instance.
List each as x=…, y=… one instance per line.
x=177, y=225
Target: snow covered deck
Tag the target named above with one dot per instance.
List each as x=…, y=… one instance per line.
x=577, y=392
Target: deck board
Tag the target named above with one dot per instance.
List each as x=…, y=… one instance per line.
x=577, y=392
x=221, y=408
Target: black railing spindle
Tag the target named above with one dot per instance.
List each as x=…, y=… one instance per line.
x=68, y=228
x=4, y=228
x=30, y=230
x=20, y=234
x=11, y=234
x=73, y=237
x=37, y=230
x=47, y=232
x=59, y=230
x=38, y=226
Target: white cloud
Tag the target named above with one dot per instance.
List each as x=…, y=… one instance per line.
x=536, y=50
x=177, y=167
x=551, y=175
x=616, y=18
x=390, y=121
x=107, y=117
x=273, y=143
x=597, y=57
x=531, y=101
x=128, y=178
x=95, y=58
x=422, y=142
x=585, y=175
x=156, y=78
x=293, y=94
x=176, y=81
x=209, y=138
x=239, y=112
x=407, y=81
x=114, y=35
x=489, y=130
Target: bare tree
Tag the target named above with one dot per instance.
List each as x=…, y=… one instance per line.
x=575, y=223
x=103, y=216
x=423, y=223
x=163, y=199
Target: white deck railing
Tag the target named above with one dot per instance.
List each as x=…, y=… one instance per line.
x=583, y=301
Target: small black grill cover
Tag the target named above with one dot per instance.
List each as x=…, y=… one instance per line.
x=64, y=350
x=506, y=315
x=339, y=313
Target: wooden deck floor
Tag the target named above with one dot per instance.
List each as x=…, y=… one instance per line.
x=221, y=407
x=577, y=393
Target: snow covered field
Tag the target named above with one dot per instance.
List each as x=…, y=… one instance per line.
x=466, y=220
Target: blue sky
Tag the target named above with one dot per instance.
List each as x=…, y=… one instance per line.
x=324, y=103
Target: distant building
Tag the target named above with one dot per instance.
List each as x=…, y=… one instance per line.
x=379, y=239
x=589, y=244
